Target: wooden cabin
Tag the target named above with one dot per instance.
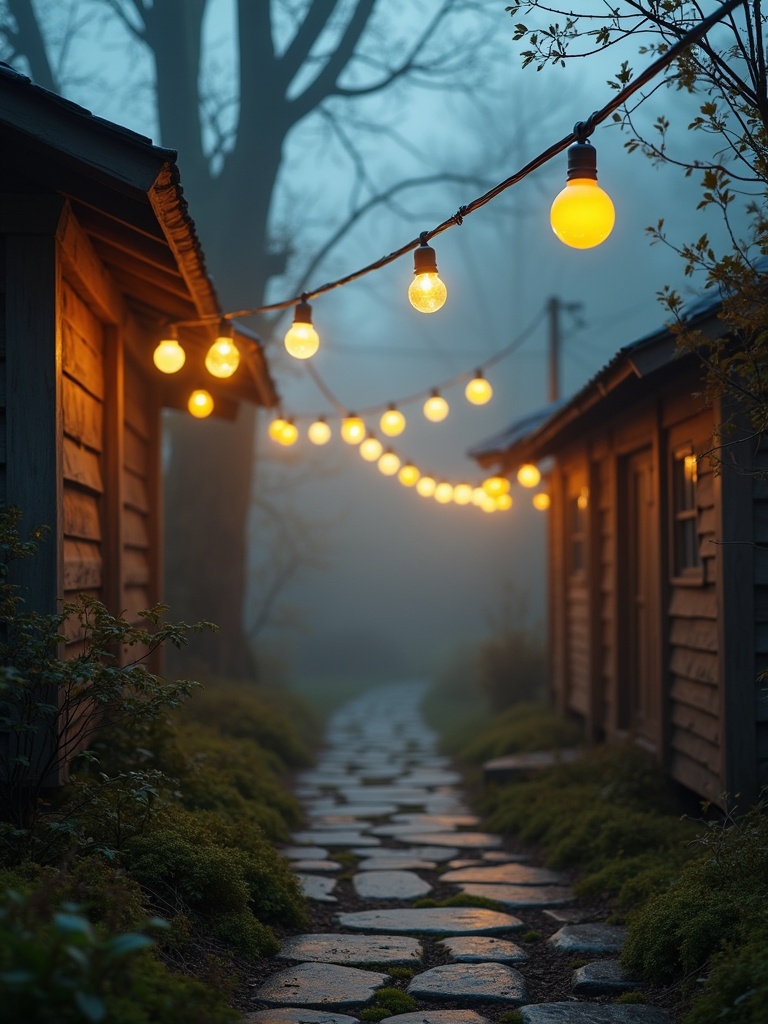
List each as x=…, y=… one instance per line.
x=658, y=594
x=98, y=253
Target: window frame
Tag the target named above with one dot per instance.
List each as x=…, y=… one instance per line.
x=684, y=518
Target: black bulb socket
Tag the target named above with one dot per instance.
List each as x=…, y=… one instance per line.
x=582, y=161
x=424, y=260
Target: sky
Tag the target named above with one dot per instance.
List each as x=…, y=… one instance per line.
x=394, y=583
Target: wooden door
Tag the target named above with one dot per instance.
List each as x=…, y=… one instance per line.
x=638, y=573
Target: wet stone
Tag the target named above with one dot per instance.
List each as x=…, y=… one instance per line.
x=447, y=820
x=363, y=810
x=333, y=837
x=432, y=920
x=591, y=1013
x=400, y=950
x=589, y=938
x=387, y=863
x=390, y=885
x=470, y=949
x=503, y=857
x=510, y=874
x=434, y=777
x=603, y=977
x=438, y=854
x=485, y=982
x=317, y=887
x=408, y=796
x=315, y=865
x=571, y=915
x=462, y=840
x=305, y=852
x=437, y=1017
x=517, y=896
x=321, y=985
x=297, y=1015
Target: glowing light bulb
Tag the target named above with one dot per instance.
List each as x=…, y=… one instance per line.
x=276, y=428
x=496, y=485
x=504, y=502
x=583, y=499
x=427, y=293
x=302, y=340
x=488, y=504
x=169, y=356
x=352, y=429
x=371, y=448
x=462, y=494
x=425, y=486
x=541, y=501
x=223, y=358
x=582, y=215
x=436, y=408
x=478, y=391
x=528, y=475
x=319, y=432
x=478, y=496
x=443, y=493
x=289, y=434
x=408, y=475
x=389, y=463
x=200, y=403
x=392, y=422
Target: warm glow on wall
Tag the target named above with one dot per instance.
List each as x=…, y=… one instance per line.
x=352, y=429
x=408, y=475
x=169, y=356
x=435, y=408
x=392, y=422
x=200, y=403
x=528, y=475
x=223, y=357
x=319, y=432
x=478, y=391
x=425, y=486
x=583, y=499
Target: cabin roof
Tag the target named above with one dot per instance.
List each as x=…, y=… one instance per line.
x=536, y=435
x=127, y=196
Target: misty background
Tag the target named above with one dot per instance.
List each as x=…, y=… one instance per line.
x=371, y=578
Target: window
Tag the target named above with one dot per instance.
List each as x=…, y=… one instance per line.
x=577, y=519
x=687, y=560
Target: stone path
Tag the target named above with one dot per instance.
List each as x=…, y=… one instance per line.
x=388, y=840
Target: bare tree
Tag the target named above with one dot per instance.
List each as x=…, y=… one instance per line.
x=296, y=60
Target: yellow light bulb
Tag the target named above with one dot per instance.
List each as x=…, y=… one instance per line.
x=436, y=408
x=352, y=429
x=488, y=504
x=200, y=403
x=541, y=501
x=389, y=463
x=462, y=494
x=408, y=475
x=276, y=428
x=319, y=432
x=478, y=496
x=583, y=499
x=496, y=485
x=371, y=448
x=223, y=358
x=289, y=434
x=427, y=293
x=392, y=422
x=443, y=493
x=582, y=215
x=169, y=356
x=425, y=486
x=528, y=475
x=504, y=502
x=478, y=391
x=302, y=340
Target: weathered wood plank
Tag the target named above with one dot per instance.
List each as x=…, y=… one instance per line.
x=135, y=600
x=135, y=453
x=82, y=466
x=698, y=723
x=700, y=634
x=705, y=490
x=700, y=666
x=696, y=695
x=696, y=777
x=81, y=514
x=136, y=570
x=707, y=521
x=135, y=529
x=137, y=411
x=135, y=492
x=698, y=749
x=83, y=415
x=693, y=603
x=82, y=567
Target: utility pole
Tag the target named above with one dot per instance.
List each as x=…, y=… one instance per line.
x=554, y=307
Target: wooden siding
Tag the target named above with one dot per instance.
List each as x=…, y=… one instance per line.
x=139, y=587
x=760, y=527
x=605, y=668
x=3, y=470
x=578, y=647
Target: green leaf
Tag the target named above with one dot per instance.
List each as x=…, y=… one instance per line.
x=130, y=943
x=91, y=1006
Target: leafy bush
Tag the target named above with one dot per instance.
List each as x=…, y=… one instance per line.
x=522, y=728
x=736, y=990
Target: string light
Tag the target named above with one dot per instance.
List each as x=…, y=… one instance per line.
x=426, y=292
x=478, y=496
x=276, y=428
x=371, y=448
x=389, y=463
x=504, y=502
x=425, y=486
x=443, y=493
x=436, y=408
x=302, y=340
x=541, y=501
x=319, y=432
x=289, y=434
x=528, y=475
x=495, y=486
x=223, y=357
x=478, y=391
x=169, y=356
x=392, y=422
x=462, y=494
x=582, y=215
x=200, y=403
x=408, y=475
x=352, y=429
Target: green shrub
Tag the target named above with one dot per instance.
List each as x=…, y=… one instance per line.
x=524, y=727
x=736, y=990
x=394, y=1000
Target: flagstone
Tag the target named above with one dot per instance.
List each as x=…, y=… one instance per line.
x=329, y=947
x=503, y=857
x=437, y=1017
x=333, y=837
x=439, y=854
x=603, y=977
x=518, y=896
x=468, y=949
x=449, y=820
x=408, y=796
x=589, y=938
x=390, y=885
x=387, y=863
x=432, y=777
x=321, y=985
x=464, y=840
x=512, y=874
x=432, y=921
x=592, y=1013
x=297, y=1015
x=305, y=852
x=371, y=810
x=315, y=865
x=483, y=982
x=317, y=887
